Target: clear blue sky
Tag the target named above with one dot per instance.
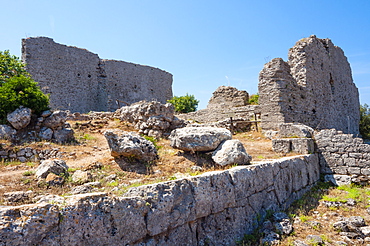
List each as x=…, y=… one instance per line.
x=203, y=43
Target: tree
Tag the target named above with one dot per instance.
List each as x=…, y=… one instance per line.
x=365, y=121
x=253, y=99
x=10, y=66
x=17, y=88
x=184, y=104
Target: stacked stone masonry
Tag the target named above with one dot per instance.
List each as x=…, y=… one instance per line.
x=216, y=208
x=342, y=154
x=29, y=154
x=314, y=87
x=79, y=81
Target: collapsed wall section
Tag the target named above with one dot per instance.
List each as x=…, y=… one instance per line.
x=79, y=81
x=215, y=208
x=314, y=87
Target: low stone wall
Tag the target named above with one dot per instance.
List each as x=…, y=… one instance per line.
x=29, y=154
x=215, y=208
x=342, y=154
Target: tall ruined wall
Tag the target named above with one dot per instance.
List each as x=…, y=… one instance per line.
x=80, y=81
x=314, y=87
x=215, y=208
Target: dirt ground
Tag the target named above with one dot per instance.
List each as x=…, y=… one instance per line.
x=91, y=147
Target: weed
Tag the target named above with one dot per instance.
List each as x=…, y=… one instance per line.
x=26, y=181
x=30, y=164
x=29, y=173
x=112, y=184
x=304, y=218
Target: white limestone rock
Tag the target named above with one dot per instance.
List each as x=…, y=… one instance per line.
x=20, y=118
x=130, y=144
x=7, y=132
x=55, y=166
x=55, y=120
x=198, y=138
x=231, y=152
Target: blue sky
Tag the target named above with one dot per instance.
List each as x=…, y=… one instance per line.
x=203, y=43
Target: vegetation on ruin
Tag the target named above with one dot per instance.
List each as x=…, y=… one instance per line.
x=365, y=121
x=17, y=88
x=184, y=104
x=253, y=99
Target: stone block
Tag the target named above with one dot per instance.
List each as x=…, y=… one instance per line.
x=281, y=145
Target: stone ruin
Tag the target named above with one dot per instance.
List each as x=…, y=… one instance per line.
x=314, y=87
x=79, y=81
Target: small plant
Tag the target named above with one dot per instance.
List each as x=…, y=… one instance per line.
x=112, y=184
x=26, y=181
x=184, y=104
x=154, y=141
x=29, y=173
x=304, y=218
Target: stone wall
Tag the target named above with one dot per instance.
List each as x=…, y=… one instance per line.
x=79, y=81
x=215, y=208
x=342, y=154
x=314, y=87
x=225, y=102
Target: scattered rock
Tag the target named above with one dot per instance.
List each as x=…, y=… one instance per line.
x=81, y=177
x=55, y=166
x=82, y=189
x=299, y=243
x=130, y=144
x=55, y=120
x=231, y=152
x=54, y=180
x=20, y=118
x=271, y=238
x=46, y=133
x=198, y=138
x=63, y=135
x=284, y=227
x=7, y=132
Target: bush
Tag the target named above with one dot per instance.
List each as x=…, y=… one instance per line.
x=17, y=88
x=253, y=99
x=184, y=104
x=365, y=121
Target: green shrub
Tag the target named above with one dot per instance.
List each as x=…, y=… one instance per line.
x=253, y=99
x=17, y=88
x=184, y=104
x=18, y=91
x=365, y=121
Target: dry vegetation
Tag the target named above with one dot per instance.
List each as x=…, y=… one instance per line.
x=91, y=147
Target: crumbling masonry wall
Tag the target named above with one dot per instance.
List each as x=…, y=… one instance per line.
x=215, y=208
x=314, y=87
x=79, y=81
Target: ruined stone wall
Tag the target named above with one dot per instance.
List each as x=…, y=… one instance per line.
x=314, y=87
x=79, y=81
x=215, y=208
x=342, y=154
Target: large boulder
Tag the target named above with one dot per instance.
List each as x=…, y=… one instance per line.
x=287, y=130
x=130, y=144
x=231, y=152
x=151, y=118
x=55, y=166
x=7, y=132
x=55, y=120
x=20, y=118
x=63, y=135
x=198, y=138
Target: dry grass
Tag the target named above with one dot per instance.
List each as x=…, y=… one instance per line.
x=91, y=147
